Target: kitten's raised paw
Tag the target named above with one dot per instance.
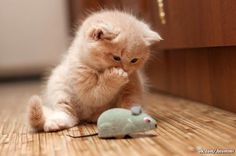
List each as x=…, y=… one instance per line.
x=119, y=75
x=119, y=72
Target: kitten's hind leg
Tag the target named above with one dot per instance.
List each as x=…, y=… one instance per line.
x=63, y=116
x=43, y=118
x=59, y=120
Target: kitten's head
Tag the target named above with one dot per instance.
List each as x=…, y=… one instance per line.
x=116, y=39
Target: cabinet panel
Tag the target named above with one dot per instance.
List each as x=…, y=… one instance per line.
x=205, y=74
x=201, y=23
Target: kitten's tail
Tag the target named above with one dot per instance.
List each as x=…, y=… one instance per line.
x=36, y=116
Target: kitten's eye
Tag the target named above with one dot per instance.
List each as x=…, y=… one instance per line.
x=117, y=58
x=134, y=60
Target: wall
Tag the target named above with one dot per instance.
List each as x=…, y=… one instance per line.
x=33, y=35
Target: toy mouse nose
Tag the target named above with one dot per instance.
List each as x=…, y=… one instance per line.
x=156, y=125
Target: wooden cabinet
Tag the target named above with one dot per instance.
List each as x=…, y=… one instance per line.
x=198, y=55
x=197, y=58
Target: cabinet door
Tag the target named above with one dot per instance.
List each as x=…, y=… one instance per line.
x=200, y=23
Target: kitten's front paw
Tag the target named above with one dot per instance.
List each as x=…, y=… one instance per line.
x=119, y=72
x=118, y=75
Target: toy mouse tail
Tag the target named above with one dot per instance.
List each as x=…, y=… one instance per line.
x=83, y=136
x=36, y=116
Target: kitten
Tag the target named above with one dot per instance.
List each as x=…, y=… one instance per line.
x=100, y=71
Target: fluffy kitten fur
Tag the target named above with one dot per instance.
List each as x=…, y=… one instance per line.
x=89, y=79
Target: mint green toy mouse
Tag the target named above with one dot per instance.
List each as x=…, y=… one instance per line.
x=119, y=122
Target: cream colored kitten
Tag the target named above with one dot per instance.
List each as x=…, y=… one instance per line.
x=100, y=71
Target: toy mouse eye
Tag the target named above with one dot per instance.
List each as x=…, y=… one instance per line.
x=147, y=120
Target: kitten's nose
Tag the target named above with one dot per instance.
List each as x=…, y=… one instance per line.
x=125, y=70
x=123, y=67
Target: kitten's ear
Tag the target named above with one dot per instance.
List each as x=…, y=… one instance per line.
x=151, y=37
x=103, y=31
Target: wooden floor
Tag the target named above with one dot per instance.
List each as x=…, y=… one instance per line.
x=185, y=128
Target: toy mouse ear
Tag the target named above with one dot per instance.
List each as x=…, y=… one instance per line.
x=103, y=31
x=136, y=110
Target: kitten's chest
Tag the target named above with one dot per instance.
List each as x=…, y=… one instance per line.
x=91, y=113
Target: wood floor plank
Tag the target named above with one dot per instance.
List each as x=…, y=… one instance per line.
x=184, y=127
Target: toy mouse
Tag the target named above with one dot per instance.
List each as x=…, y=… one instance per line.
x=119, y=122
